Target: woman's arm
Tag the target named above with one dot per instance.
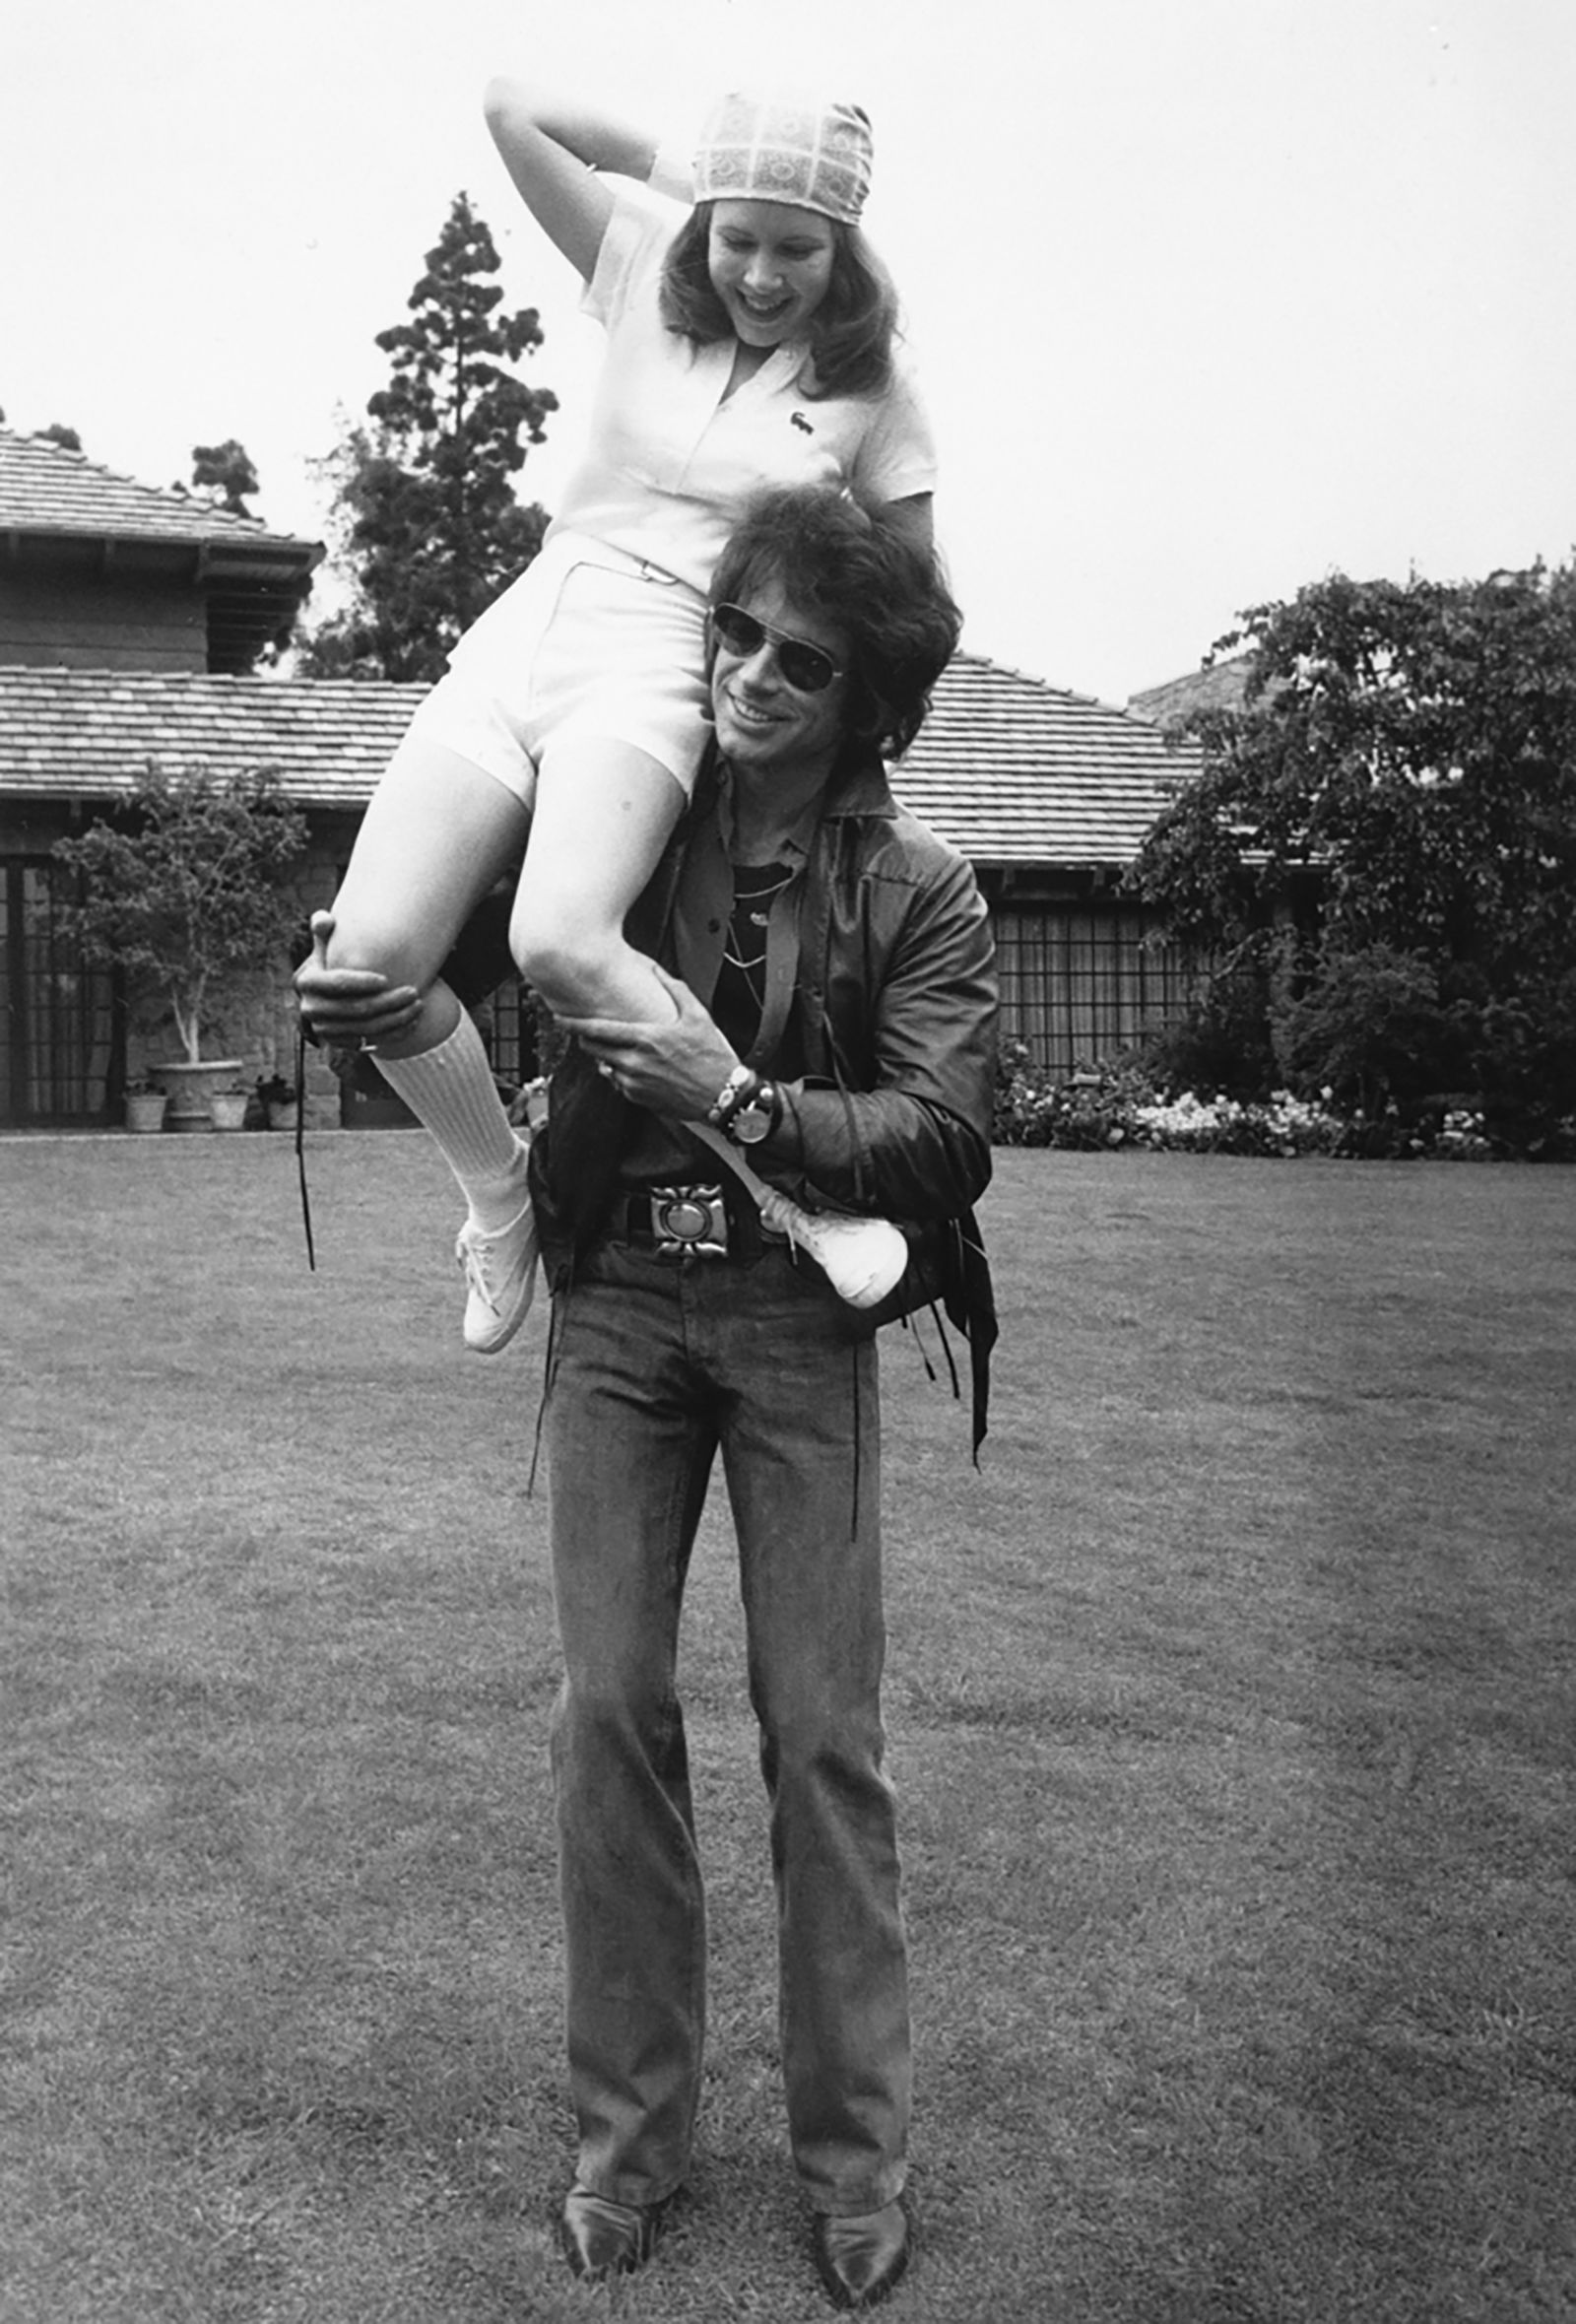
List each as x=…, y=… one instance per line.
x=552, y=147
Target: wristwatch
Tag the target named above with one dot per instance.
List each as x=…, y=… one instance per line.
x=757, y=1117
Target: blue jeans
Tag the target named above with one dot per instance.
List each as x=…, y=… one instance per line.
x=657, y=1365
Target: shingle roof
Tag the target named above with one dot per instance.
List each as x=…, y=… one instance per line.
x=83, y=733
x=1014, y=770
x=46, y=490
x=1221, y=686
x=1008, y=769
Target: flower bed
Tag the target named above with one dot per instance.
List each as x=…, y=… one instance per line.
x=1117, y=1104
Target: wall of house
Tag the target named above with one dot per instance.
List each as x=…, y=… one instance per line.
x=62, y=616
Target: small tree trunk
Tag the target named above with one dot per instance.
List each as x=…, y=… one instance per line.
x=187, y=1025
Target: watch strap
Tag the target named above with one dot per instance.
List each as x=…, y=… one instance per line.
x=736, y=1091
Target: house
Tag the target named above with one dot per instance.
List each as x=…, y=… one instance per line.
x=130, y=621
x=98, y=572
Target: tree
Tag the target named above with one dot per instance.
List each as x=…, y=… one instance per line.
x=58, y=434
x=186, y=886
x=1405, y=757
x=431, y=526
x=225, y=474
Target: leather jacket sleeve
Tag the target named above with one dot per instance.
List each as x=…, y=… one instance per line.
x=897, y=1117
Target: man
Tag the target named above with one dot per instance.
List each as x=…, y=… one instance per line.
x=831, y=968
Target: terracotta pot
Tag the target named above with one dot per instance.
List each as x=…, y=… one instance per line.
x=227, y=1109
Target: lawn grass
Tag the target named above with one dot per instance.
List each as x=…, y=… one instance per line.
x=1231, y=1714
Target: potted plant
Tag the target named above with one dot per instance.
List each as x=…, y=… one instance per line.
x=277, y=1098
x=183, y=886
x=226, y=1108
x=145, y=1109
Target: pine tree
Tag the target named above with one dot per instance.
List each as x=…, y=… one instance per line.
x=432, y=528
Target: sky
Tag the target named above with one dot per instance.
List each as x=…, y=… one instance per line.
x=1210, y=298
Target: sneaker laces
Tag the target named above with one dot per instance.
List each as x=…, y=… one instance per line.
x=476, y=1247
x=471, y=1251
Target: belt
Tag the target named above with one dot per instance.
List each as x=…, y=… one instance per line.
x=677, y=1223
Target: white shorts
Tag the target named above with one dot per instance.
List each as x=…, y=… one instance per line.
x=588, y=641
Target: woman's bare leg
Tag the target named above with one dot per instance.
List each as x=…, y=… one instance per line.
x=604, y=811
x=439, y=833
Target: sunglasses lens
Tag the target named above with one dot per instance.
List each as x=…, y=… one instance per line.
x=736, y=629
x=807, y=669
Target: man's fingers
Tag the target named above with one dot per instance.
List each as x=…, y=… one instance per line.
x=606, y=1030
x=351, y=984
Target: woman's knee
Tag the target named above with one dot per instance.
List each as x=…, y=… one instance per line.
x=371, y=939
x=561, y=953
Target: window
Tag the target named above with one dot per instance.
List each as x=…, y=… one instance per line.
x=59, y=1033
x=1078, y=981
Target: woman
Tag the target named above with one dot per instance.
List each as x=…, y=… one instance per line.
x=750, y=342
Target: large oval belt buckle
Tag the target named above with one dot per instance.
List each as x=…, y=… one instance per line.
x=683, y=1218
x=690, y=1218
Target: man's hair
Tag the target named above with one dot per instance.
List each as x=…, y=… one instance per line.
x=851, y=332
x=854, y=567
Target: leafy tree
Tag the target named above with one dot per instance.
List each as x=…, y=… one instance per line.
x=431, y=523
x=223, y=474
x=186, y=886
x=1405, y=756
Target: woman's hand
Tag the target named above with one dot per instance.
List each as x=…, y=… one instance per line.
x=676, y=1066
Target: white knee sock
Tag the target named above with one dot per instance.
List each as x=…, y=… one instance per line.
x=450, y=1089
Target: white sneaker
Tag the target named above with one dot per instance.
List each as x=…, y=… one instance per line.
x=861, y=1258
x=500, y=1278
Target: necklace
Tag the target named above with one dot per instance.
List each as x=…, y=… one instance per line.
x=754, y=888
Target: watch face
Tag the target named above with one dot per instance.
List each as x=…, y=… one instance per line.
x=750, y=1125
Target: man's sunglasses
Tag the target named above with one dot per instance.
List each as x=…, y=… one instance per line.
x=807, y=669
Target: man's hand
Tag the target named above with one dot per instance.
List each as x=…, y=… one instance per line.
x=347, y=1008
x=676, y=1066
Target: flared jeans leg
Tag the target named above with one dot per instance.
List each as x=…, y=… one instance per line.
x=655, y=1367
x=628, y=1461
x=801, y=1449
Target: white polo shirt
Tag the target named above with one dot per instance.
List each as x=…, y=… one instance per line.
x=669, y=464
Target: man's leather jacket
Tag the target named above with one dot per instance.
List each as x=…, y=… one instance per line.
x=879, y=1027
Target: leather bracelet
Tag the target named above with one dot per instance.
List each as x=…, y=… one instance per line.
x=737, y=1090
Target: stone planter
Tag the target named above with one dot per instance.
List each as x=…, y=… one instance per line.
x=191, y=1088
x=227, y=1108
x=145, y=1111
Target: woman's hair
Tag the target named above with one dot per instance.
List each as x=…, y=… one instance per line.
x=859, y=570
x=851, y=332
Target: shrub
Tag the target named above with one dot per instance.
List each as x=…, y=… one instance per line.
x=1372, y=1028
